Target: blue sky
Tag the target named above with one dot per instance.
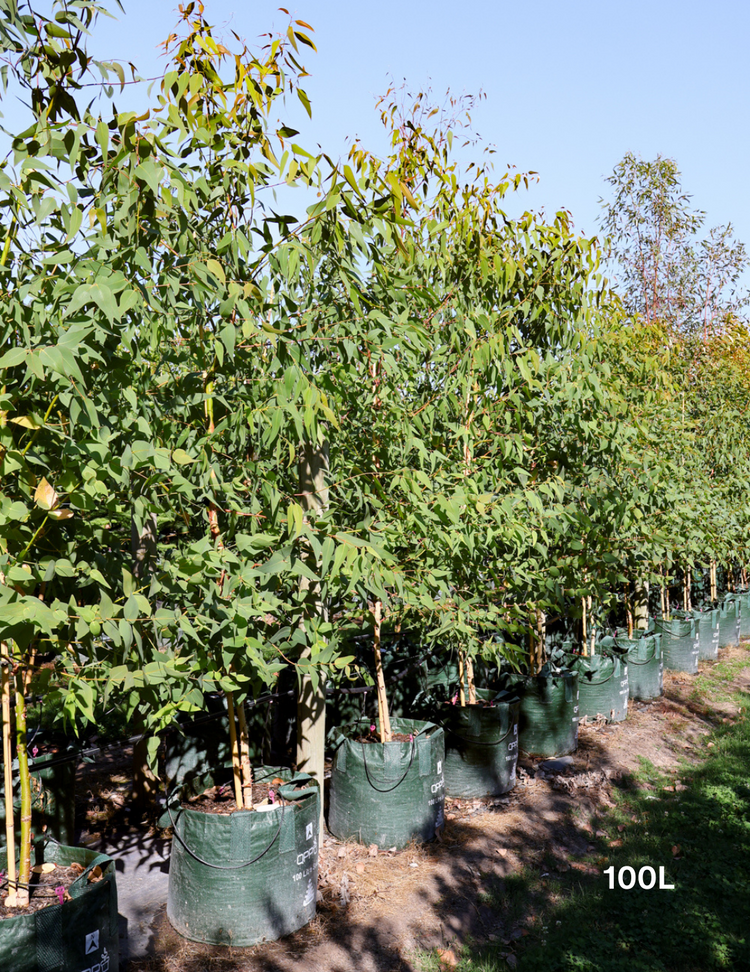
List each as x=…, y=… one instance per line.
x=570, y=86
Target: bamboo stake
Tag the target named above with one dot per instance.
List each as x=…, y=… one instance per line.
x=24, y=863
x=236, y=768
x=385, y=720
x=10, y=836
x=470, y=680
x=246, y=768
x=461, y=687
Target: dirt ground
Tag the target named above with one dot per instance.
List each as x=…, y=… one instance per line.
x=376, y=913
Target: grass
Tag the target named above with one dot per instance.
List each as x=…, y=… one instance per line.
x=700, y=835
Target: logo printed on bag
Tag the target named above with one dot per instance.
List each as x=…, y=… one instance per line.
x=440, y=766
x=92, y=943
x=301, y=858
x=101, y=966
x=309, y=832
x=309, y=894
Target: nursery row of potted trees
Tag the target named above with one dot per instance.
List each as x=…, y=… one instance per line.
x=233, y=440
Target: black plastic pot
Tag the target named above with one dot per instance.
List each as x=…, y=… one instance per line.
x=80, y=935
x=248, y=876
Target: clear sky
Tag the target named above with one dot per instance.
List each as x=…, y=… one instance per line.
x=570, y=86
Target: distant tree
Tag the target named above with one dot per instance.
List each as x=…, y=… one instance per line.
x=665, y=271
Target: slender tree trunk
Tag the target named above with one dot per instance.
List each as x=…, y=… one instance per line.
x=685, y=597
x=640, y=606
x=143, y=552
x=246, y=767
x=540, y=639
x=584, y=629
x=592, y=630
x=311, y=704
x=470, y=684
x=24, y=778
x=461, y=684
x=10, y=834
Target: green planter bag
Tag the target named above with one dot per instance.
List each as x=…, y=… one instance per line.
x=729, y=623
x=548, y=714
x=744, y=599
x=602, y=686
x=481, y=746
x=387, y=793
x=80, y=935
x=53, y=808
x=708, y=632
x=680, y=643
x=249, y=876
x=645, y=666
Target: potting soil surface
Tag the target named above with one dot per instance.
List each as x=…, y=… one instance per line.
x=49, y=885
x=378, y=909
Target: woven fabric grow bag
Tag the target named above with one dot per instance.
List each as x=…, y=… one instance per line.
x=645, y=666
x=387, y=793
x=53, y=779
x=548, y=714
x=729, y=623
x=481, y=746
x=249, y=876
x=602, y=686
x=708, y=632
x=680, y=644
x=80, y=935
x=744, y=599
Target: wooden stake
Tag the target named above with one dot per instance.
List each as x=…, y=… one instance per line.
x=236, y=768
x=385, y=720
x=246, y=768
x=10, y=834
x=470, y=680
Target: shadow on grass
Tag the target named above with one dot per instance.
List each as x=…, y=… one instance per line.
x=699, y=835
x=523, y=886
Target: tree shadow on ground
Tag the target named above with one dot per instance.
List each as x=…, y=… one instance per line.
x=522, y=884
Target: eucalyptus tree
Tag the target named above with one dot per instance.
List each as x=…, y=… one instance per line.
x=665, y=271
x=137, y=297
